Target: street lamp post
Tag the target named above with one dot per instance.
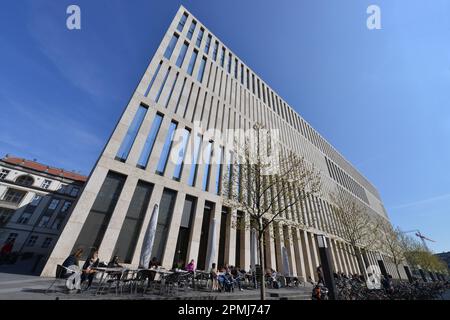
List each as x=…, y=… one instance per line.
x=327, y=269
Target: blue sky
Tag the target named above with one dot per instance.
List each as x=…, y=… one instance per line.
x=381, y=97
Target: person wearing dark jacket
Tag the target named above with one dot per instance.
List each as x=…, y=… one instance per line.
x=114, y=263
x=72, y=263
x=89, y=268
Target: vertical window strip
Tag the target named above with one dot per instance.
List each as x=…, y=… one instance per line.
x=171, y=46
x=153, y=79
x=166, y=149
x=222, y=57
x=191, y=65
x=191, y=29
x=206, y=175
x=194, y=163
x=188, y=100
x=200, y=37
x=208, y=44
x=219, y=170
x=131, y=134
x=150, y=142
x=171, y=90
x=209, y=74
x=180, y=95
x=162, y=85
x=216, y=48
x=201, y=70
x=181, y=154
x=182, y=54
x=182, y=22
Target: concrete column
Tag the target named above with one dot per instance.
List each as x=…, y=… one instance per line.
x=272, y=257
x=291, y=251
x=333, y=256
x=230, y=243
x=307, y=254
x=314, y=251
x=337, y=255
x=300, y=263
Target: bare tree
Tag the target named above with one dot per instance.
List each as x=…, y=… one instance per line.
x=265, y=184
x=389, y=242
x=358, y=226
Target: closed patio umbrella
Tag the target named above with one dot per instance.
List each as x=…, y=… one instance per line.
x=212, y=246
x=149, y=238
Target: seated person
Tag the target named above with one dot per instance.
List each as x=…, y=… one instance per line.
x=237, y=277
x=88, y=268
x=74, y=276
x=224, y=280
x=114, y=263
x=191, y=266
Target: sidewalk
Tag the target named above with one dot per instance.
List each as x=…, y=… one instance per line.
x=21, y=287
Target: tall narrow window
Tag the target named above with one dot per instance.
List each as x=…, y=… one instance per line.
x=201, y=70
x=149, y=143
x=242, y=74
x=185, y=229
x=158, y=95
x=166, y=149
x=200, y=37
x=192, y=62
x=206, y=176
x=180, y=95
x=180, y=153
x=248, y=79
x=230, y=59
x=219, y=170
x=216, y=47
x=182, y=54
x=191, y=29
x=222, y=57
x=259, y=92
x=208, y=43
x=171, y=46
x=194, y=163
x=263, y=93
x=182, y=22
x=133, y=129
x=253, y=84
x=97, y=221
x=204, y=235
x=236, y=69
x=171, y=90
x=132, y=225
x=166, y=206
x=153, y=79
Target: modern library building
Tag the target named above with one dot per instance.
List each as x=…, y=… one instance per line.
x=194, y=80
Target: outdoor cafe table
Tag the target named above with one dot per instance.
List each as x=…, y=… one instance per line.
x=104, y=272
x=200, y=276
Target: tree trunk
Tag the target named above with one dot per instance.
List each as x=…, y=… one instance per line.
x=359, y=259
x=398, y=272
x=262, y=263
